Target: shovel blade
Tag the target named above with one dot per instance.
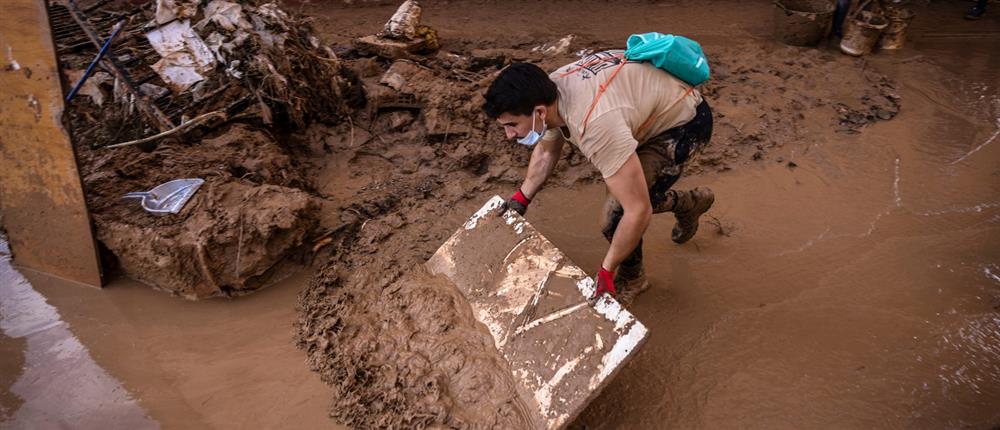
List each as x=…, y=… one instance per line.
x=169, y=197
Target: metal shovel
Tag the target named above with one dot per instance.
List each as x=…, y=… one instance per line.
x=169, y=197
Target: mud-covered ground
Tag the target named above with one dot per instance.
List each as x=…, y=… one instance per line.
x=368, y=199
x=393, y=182
x=419, y=129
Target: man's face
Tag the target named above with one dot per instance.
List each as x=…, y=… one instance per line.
x=518, y=126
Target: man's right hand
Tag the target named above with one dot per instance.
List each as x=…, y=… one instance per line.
x=518, y=202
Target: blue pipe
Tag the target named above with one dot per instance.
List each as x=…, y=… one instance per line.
x=100, y=54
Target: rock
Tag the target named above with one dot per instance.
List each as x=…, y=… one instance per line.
x=558, y=47
x=403, y=24
x=440, y=124
x=365, y=67
x=396, y=120
x=395, y=49
x=402, y=72
x=393, y=80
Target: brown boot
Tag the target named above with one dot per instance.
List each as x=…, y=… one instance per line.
x=630, y=282
x=688, y=207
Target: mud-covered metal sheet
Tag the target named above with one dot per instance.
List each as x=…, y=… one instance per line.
x=561, y=349
x=41, y=197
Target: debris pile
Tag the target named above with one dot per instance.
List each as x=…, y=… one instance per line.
x=180, y=61
x=408, y=354
x=403, y=35
x=212, y=72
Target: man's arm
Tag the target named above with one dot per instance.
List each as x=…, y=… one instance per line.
x=628, y=186
x=543, y=161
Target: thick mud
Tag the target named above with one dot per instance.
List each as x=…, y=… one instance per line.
x=246, y=217
x=408, y=354
x=254, y=210
x=423, y=164
x=843, y=279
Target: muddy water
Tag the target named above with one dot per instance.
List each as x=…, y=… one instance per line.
x=859, y=289
x=138, y=358
x=856, y=290
x=49, y=379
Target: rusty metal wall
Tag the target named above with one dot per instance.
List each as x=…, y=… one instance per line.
x=42, y=207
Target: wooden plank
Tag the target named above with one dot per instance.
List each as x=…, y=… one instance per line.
x=561, y=349
x=41, y=196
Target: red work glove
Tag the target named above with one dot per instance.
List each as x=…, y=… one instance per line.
x=518, y=202
x=605, y=284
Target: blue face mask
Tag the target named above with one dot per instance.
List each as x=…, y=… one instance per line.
x=533, y=136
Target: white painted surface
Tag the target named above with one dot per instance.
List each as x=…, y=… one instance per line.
x=505, y=303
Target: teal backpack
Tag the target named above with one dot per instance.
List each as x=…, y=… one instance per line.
x=678, y=55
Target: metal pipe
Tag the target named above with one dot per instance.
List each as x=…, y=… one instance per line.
x=100, y=54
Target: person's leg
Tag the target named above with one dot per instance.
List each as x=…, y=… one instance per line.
x=662, y=159
x=839, y=15
x=687, y=205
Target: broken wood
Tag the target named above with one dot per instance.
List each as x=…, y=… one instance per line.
x=158, y=118
x=197, y=120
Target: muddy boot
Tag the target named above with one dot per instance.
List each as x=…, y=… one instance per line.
x=630, y=282
x=976, y=12
x=688, y=207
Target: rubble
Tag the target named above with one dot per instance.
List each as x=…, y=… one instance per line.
x=193, y=69
x=402, y=37
x=244, y=59
x=185, y=57
x=559, y=47
x=403, y=24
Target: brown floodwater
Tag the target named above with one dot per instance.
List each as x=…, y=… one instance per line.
x=129, y=357
x=858, y=289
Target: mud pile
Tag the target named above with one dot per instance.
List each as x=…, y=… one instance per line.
x=407, y=354
x=422, y=147
x=247, y=216
x=765, y=96
x=266, y=74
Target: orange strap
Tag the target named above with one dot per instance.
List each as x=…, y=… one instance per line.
x=597, y=98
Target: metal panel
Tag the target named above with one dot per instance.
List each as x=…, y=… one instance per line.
x=41, y=195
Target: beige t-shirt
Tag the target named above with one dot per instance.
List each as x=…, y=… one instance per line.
x=640, y=92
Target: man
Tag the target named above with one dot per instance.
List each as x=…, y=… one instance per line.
x=636, y=123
